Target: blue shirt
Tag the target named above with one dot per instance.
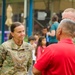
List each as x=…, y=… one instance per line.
x=54, y=27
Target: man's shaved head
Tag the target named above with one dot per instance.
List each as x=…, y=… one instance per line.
x=67, y=27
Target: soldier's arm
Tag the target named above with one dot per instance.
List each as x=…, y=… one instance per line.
x=30, y=61
x=2, y=55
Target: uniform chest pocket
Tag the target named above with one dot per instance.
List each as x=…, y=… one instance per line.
x=18, y=56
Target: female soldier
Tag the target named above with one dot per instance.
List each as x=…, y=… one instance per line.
x=15, y=54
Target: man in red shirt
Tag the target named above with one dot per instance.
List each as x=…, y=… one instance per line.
x=59, y=59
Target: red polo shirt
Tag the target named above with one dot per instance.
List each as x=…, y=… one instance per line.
x=58, y=59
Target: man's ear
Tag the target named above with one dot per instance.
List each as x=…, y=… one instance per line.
x=59, y=31
x=73, y=34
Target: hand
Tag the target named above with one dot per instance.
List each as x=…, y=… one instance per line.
x=48, y=33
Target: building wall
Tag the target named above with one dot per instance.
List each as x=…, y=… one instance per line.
x=55, y=6
x=39, y=5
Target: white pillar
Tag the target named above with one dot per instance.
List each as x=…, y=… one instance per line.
x=25, y=12
x=25, y=8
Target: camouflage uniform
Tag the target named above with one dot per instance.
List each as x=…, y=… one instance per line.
x=15, y=60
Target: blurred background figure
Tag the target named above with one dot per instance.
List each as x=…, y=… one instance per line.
x=31, y=40
x=44, y=33
x=36, y=35
x=69, y=13
x=53, y=28
x=41, y=45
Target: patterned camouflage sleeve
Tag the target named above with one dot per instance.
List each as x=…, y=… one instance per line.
x=30, y=59
x=1, y=48
x=2, y=55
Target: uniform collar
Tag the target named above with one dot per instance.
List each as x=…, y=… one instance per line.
x=15, y=46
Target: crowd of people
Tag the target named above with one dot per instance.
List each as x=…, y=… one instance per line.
x=50, y=53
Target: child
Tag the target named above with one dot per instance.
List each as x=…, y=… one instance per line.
x=44, y=33
x=31, y=40
x=40, y=46
x=36, y=35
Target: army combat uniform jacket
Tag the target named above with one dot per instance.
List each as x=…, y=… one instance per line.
x=15, y=60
